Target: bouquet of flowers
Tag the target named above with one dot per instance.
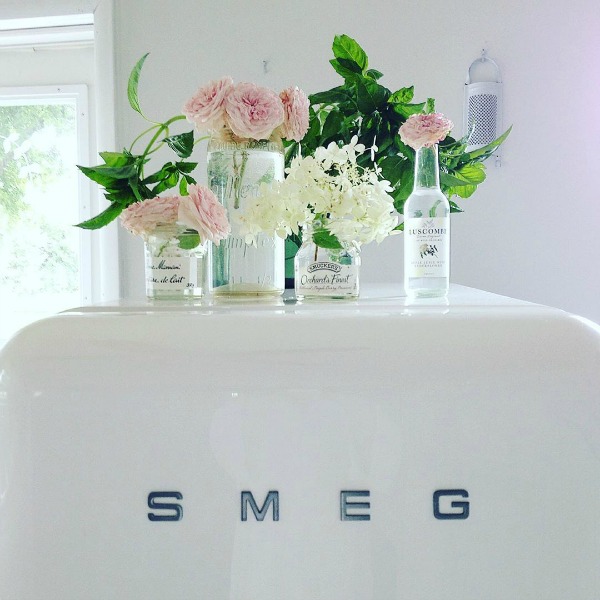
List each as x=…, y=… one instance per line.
x=361, y=106
x=242, y=111
x=200, y=212
x=341, y=201
x=248, y=111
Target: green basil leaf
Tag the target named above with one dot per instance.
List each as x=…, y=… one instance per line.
x=104, y=218
x=473, y=173
x=406, y=110
x=403, y=95
x=106, y=175
x=132, y=84
x=116, y=159
x=346, y=73
x=333, y=96
x=325, y=239
x=393, y=167
x=374, y=74
x=485, y=151
x=189, y=240
x=370, y=95
x=344, y=47
x=332, y=126
x=186, y=167
x=182, y=144
x=463, y=191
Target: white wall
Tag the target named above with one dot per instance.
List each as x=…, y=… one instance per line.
x=530, y=231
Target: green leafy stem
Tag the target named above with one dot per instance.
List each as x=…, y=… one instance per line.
x=122, y=174
x=362, y=106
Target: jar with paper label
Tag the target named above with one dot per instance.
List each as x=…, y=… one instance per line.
x=175, y=263
x=330, y=270
x=426, y=231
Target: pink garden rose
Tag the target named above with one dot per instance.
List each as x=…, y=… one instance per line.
x=253, y=111
x=141, y=218
x=295, y=113
x=206, y=108
x=201, y=211
x=425, y=130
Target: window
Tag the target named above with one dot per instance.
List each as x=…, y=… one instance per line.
x=46, y=128
x=44, y=260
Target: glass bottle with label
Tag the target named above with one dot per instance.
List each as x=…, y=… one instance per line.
x=175, y=268
x=426, y=231
x=236, y=169
x=326, y=272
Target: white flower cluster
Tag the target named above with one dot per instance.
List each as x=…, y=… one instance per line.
x=350, y=201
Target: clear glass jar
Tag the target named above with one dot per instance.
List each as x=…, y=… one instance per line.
x=321, y=273
x=426, y=231
x=236, y=168
x=174, y=271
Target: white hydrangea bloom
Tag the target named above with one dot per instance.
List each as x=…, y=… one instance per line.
x=352, y=202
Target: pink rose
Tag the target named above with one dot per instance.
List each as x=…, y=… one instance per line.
x=295, y=113
x=141, y=218
x=253, y=111
x=424, y=130
x=201, y=211
x=206, y=108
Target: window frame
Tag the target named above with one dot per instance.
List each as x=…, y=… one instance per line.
x=40, y=94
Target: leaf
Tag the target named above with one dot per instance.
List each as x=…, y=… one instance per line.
x=468, y=175
x=370, y=95
x=403, y=95
x=404, y=189
x=124, y=196
x=374, y=74
x=451, y=181
x=473, y=173
x=182, y=144
x=409, y=109
x=332, y=96
x=488, y=149
x=464, y=191
x=106, y=175
x=186, y=167
x=132, y=84
x=104, y=218
x=332, y=125
x=183, y=187
x=349, y=74
x=189, y=240
x=344, y=47
x=430, y=106
x=403, y=148
x=349, y=65
x=164, y=173
x=392, y=168
x=116, y=159
x=325, y=239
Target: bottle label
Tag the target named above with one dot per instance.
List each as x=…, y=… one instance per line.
x=427, y=247
x=169, y=273
x=324, y=278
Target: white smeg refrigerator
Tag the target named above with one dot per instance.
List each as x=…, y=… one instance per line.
x=367, y=450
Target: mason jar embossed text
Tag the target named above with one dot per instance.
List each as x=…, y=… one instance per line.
x=236, y=169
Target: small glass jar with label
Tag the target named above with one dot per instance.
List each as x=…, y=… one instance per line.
x=326, y=272
x=175, y=263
